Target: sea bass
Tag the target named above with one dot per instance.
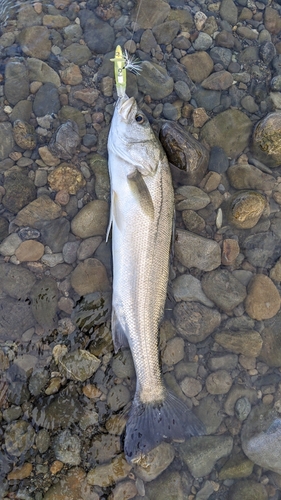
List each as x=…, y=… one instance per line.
x=142, y=207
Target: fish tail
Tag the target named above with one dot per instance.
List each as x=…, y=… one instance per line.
x=149, y=424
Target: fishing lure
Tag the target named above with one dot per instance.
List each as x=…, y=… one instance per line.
x=122, y=62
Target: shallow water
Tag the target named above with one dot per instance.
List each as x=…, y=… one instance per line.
x=64, y=394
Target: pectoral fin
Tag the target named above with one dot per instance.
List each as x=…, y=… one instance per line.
x=141, y=192
x=118, y=335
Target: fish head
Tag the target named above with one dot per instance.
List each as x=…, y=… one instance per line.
x=132, y=137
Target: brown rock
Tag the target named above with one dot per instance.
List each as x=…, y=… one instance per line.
x=91, y=220
x=220, y=80
x=272, y=20
x=55, y=22
x=198, y=65
x=199, y=117
x=47, y=157
x=225, y=39
x=35, y=42
x=71, y=487
x=150, y=13
x=124, y=491
x=29, y=251
x=244, y=176
x=71, y=75
x=61, y=4
x=24, y=135
x=107, y=474
x=62, y=197
x=43, y=208
x=67, y=178
x=89, y=277
x=247, y=342
x=218, y=382
x=190, y=386
x=230, y=251
x=56, y=467
x=245, y=208
x=275, y=272
x=87, y=95
x=19, y=473
x=263, y=299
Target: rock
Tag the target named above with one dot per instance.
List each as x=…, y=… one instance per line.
x=42, y=208
x=104, y=448
x=52, y=260
x=19, y=473
x=73, y=485
x=225, y=362
x=190, y=386
x=41, y=72
x=236, y=467
x=262, y=249
x=220, y=80
x=35, y=42
x=261, y=437
x=244, y=176
x=272, y=20
x=209, y=413
x=230, y=130
x=98, y=165
x=230, y=251
x=20, y=190
x=58, y=411
x=191, y=198
x=77, y=54
x=67, y=448
x=166, y=32
x=71, y=75
x=248, y=490
x=78, y=365
x=108, y=474
x=7, y=140
x=89, y=277
x=201, y=453
x=88, y=247
x=183, y=91
x=16, y=318
x=47, y=100
x=242, y=408
x=66, y=141
x=19, y=438
x=29, y=251
x=151, y=14
x=225, y=290
x=198, y=65
x=244, y=208
x=218, y=382
x=155, y=462
x=124, y=491
x=98, y=35
x=44, y=300
x=195, y=251
x=229, y=11
x=236, y=392
x=173, y=352
x=93, y=310
x=187, y=287
x=271, y=348
x=118, y=397
x=91, y=220
x=185, y=153
x=194, y=321
x=4, y=229
x=16, y=82
x=67, y=178
x=24, y=135
x=55, y=233
x=265, y=142
x=155, y=81
x=247, y=342
x=55, y=22
x=123, y=364
x=263, y=299
x=202, y=42
x=69, y=113
x=16, y=281
x=10, y=244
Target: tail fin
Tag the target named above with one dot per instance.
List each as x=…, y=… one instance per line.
x=150, y=424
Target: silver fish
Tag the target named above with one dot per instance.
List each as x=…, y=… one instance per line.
x=142, y=207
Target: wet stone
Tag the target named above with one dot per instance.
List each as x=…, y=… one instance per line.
x=262, y=249
x=19, y=473
x=104, y=448
x=155, y=81
x=91, y=220
x=10, y=244
x=37, y=382
x=69, y=251
x=58, y=411
x=194, y=321
x=266, y=144
x=155, y=462
x=271, y=348
x=16, y=82
x=191, y=198
x=66, y=141
x=209, y=412
x=35, y=42
x=44, y=300
x=46, y=100
x=67, y=178
x=93, y=310
x=218, y=382
x=24, y=135
x=73, y=485
x=166, y=32
x=187, y=287
x=43, y=208
x=12, y=413
x=42, y=440
x=67, y=448
x=173, y=352
x=98, y=35
x=16, y=281
x=4, y=228
x=7, y=140
x=244, y=176
x=20, y=191
x=263, y=299
x=190, y=386
x=245, y=208
x=118, y=397
x=225, y=290
x=242, y=408
x=16, y=317
x=88, y=247
x=19, y=438
x=89, y=276
x=247, y=490
x=123, y=365
x=55, y=233
x=78, y=365
x=124, y=491
x=236, y=467
x=108, y=474
x=201, y=453
x=198, y=65
x=40, y=71
x=67, y=113
x=261, y=437
x=246, y=342
x=195, y=251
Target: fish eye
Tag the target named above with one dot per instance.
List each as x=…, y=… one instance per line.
x=139, y=118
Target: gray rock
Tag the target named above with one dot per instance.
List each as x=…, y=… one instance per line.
x=191, y=198
x=195, y=251
x=194, y=321
x=169, y=485
x=55, y=233
x=207, y=99
x=248, y=490
x=44, y=300
x=118, y=397
x=261, y=438
x=12, y=413
x=201, y=453
x=20, y=191
x=170, y=112
x=242, y=408
x=16, y=318
x=123, y=365
x=155, y=81
x=104, y=448
x=98, y=165
x=221, y=55
x=46, y=100
x=155, y=462
x=58, y=411
x=10, y=244
x=98, y=35
x=188, y=288
x=38, y=381
x=182, y=90
x=236, y=392
x=41, y=72
x=203, y=41
x=93, y=310
x=262, y=249
x=16, y=281
x=19, y=438
x=21, y=111
x=7, y=140
x=225, y=290
x=69, y=251
x=66, y=140
x=88, y=247
x=67, y=448
x=42, y=440
x=210, y=413
x=4, y=228
x=52, y=259
x=166, y=32
x=229, y=11
x=75, y=115
x=16, y=81
x=26, y=363
x=78, y=365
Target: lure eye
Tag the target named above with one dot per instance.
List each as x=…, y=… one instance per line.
x=139, y=118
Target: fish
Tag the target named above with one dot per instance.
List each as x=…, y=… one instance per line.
x=141, y=219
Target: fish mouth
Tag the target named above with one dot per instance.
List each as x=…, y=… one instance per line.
x=126, y=107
